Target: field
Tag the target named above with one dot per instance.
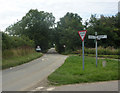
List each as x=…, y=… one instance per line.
x=71, y=71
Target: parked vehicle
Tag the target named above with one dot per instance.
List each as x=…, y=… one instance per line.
x=38, y=49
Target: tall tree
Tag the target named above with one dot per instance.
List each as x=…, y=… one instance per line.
x=105, y=25
x=36, y=25
x=67, y=32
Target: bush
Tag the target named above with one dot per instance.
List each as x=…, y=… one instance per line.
x=101, y=51
x=6, y=41
x=89, y=50
x=107, y=51
x=10, y=42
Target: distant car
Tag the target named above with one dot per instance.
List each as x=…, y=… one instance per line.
x=38, y=49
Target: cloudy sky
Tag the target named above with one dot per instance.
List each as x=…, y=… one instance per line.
x=13, y=10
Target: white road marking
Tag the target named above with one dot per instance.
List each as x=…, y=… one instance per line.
x=39, y=88
x=42, y=59
x=50, y=89
x=11, y=68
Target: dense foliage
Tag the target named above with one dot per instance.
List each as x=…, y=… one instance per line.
x=67, y=38
x=35, y=25
x=109, y=26
x=39, y=26
x=69, y=25
x=10, y=42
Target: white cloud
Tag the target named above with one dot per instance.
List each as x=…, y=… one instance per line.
x=11, y=10
x=119, y=6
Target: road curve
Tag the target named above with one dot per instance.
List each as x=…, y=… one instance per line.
x=22, y=77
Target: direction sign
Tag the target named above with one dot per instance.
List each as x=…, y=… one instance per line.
x=97, y=37
x=82, y=34
x=91, y=37
x=101, y=36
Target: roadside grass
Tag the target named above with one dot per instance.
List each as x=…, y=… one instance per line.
x=94, y=55
x=108, y=52
x=102, y=51
x=100, y=56
x=71, y=71
x=103, y=56
x=18, y=57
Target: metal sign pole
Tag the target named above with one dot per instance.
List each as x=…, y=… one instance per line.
x=96, y=48
x=82, y=36
x=96, y=52
x=96, y=37
x=83, y=52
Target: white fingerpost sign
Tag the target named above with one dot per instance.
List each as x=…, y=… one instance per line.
x=97, y=37
x=82, y=36
x=91, y=37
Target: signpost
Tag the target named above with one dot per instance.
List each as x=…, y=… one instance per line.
x=82, y=36
x=97, y=38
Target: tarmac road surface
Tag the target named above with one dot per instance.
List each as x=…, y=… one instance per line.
x=97, y=86
x=108, y=86
x=22, y=77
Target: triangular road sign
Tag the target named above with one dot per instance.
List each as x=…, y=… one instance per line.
x=82, y=34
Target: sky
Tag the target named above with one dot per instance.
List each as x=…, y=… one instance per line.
x=12, y=11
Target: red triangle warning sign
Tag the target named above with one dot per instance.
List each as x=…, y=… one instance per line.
x=82, y=34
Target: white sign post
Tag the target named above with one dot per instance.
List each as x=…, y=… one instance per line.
x=97, y=38
x=82, y=36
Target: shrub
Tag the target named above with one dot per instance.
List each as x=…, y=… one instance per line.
x=6, y=41
x=10, y=42
x=101, y=51
x=107, y=51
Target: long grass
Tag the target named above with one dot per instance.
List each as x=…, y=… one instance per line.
x=101, y=51
x=19, y=56
x=71, y=71
x=103, y=56
x=16, y=52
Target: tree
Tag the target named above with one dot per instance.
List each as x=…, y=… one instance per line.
x=105, y=25
x=67, y=32
x=36, y=25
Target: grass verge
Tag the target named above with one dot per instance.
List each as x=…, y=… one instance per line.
x=18, y=60
x=103, y=56
x=71, y=71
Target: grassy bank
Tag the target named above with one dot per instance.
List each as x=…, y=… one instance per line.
x=16, y=57
x=71, y=71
